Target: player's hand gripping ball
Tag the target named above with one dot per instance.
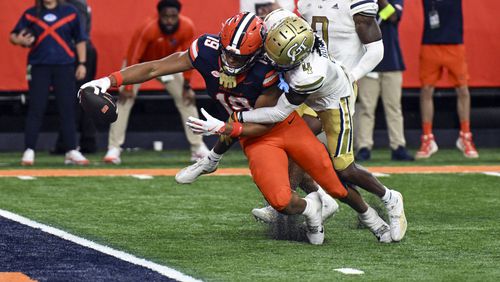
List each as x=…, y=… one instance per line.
x=100, y=107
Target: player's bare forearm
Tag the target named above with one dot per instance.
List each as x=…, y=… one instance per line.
x=138, y=73
x=367, y=29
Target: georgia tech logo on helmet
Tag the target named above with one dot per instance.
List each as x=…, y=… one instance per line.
x=296, y=49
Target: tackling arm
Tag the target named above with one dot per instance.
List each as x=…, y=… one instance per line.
x=370, y=35
x=286, y=104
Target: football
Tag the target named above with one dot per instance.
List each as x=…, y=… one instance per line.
x=100, y=107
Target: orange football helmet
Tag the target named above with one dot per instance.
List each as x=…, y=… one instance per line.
x=241, y=38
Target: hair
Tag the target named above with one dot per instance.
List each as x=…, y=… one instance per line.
x=162, y=4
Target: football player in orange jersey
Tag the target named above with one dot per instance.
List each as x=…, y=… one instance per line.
x=159, y=36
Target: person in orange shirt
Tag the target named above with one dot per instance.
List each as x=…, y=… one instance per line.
x=166, y=33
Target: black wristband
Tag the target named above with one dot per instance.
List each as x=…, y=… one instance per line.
x=82, y=63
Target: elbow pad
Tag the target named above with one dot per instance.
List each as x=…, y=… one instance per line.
x=373, y=56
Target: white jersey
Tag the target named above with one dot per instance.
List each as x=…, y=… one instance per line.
x=333, y=21
x=323, y=79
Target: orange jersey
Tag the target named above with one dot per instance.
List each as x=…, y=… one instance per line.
x=149, y=43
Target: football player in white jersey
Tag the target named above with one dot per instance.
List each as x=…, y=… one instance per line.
x=324, y=86
x=350, y=31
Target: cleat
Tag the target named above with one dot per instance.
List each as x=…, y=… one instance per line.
x=397, y=218
x=199, y=153
x=74, y=157
x=315, y=232
x=466, y=145
x=28, y=158
x=266, y=214
x=377, y=226
x=191, y=173
x=113, y=156
x=316, y=235
x=330, y=207
x=427, y=148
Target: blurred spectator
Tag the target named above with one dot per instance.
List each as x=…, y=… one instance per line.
x=385, y=82
x=443, y=47
x=263, y=7
x=51, y=29
x=166, y=33
x=85, y=124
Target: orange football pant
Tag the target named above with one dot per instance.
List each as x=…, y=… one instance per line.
x=268, y=161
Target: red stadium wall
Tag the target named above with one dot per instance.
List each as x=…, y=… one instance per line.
x=115, y=20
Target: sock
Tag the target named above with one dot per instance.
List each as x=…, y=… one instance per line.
x=213, y=156
x=427, y=127
x=369, y=215
x=309, y=212
x=465, y=126
x=387, y=196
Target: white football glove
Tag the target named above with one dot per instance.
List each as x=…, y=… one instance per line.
x=100, y=85
x=208, y=127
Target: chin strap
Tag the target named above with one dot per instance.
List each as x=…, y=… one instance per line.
x=227, y=81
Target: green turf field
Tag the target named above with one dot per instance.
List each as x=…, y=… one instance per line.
x=205, y=229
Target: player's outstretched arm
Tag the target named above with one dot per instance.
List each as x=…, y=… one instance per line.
x=138, y=73
x=177, y=62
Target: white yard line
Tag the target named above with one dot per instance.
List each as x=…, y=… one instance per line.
x=492, y=173
x=379, y=174
x=351, y=271
x=163, y=270
x=26, y=177
x=142, y=176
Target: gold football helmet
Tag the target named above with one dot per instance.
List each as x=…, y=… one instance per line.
x=289, y=42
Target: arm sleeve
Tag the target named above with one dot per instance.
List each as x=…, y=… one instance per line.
x=270, y=114
x=373, y=56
